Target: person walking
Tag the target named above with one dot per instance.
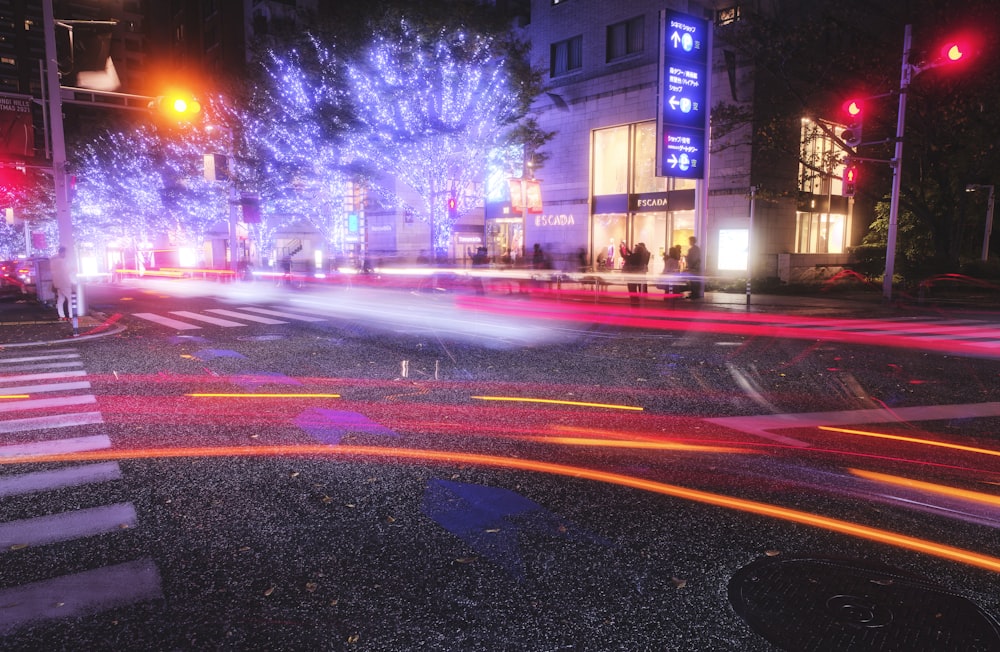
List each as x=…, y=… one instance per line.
x=62, y=283
x=693, y=267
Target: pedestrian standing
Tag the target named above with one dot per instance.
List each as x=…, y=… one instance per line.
x=62, y=283
x=693, y=267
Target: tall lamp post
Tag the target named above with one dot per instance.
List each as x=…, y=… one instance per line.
x=989, y=215
x=58, y=137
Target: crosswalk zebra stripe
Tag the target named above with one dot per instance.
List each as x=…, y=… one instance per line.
x=50, y=421
x=43, y=530
x=55, y=446
x=36, y=358
x=45, y=365
x=48, y=387
x=286, y=315
x=51, y=375
x=217, y=321
x=39, y=403
x=166, y=321
x=80, y=594
x=73, y=476
x=243, y=315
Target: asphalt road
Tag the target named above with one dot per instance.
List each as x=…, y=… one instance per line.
x=353, y=469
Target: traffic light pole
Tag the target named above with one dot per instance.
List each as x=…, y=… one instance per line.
x=897, y=164
x=58, y=137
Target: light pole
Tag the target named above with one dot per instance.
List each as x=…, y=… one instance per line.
x=989, y=216
x=58, y=137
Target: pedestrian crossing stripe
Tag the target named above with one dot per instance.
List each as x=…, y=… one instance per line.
x=246, y=313
x=217, y=321
x=242, y=315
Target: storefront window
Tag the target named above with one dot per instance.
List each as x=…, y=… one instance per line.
x=611, y=161
x=609, y=231
x=820, y=233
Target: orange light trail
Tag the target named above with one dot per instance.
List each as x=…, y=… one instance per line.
x=234, y=395
x=930, y=487
x=453, y=457
x=913, y=440
x=553, y=401
x=14, y=396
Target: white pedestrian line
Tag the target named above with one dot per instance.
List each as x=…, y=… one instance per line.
x=55, y=446
x=165, y=321
x=73, y=476
x=51, y=375
x=36, y=358
x=80, y=594
x=206, y=318
x=44, y=365
x=242, y=315
x=51, y=421
x=39, y=403
x=44, y=530
x=761, y=425
x=48, y=387
x=286, y=315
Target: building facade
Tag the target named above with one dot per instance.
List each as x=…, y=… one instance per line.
x=775, y=217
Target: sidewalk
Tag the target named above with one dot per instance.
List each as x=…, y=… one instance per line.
x=25, y=322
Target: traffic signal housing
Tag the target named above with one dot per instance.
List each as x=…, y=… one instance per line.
x=854, y=110
x=177, y=106
x=850, y=180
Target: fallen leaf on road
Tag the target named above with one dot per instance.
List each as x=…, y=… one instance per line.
x=678, y=582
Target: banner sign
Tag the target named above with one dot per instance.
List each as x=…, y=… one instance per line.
x=16, y=127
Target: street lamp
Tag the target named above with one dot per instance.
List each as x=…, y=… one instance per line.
x=989, y=215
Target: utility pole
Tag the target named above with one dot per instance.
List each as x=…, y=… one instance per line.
x=58, y=137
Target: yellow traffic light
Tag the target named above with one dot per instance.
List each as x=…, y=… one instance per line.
x=176, y=106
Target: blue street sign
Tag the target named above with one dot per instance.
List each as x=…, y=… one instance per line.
x=682, y=120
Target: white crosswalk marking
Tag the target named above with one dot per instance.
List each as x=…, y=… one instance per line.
x=165, y=321
x=49, y=387
x=78, y=594
x=40, y=403
x=281, y=313
x=228, y=323
x=242, y=315
x=38, y=358
x=56, y=446
x=50, y=421
x=52, y=375
x=65, y=526
x=73, y=476
x=225, y=318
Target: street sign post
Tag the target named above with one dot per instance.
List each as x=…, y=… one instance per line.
x=683, y=106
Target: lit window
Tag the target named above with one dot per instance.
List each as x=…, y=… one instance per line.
x=727, y=16
x=625, y=38
x=566, y=56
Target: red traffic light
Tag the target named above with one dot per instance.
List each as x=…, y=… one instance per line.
x=853, y=108
x=850, y=180
x=452, y=204
x=851, y=175
x=958, y=49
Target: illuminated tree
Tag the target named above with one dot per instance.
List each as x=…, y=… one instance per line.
x=435, y=106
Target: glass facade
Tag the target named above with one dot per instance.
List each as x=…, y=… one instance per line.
x=630, y=203
x=821, y=168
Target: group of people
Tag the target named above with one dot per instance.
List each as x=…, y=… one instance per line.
x=636, y=261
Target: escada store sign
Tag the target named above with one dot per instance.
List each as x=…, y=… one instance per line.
x=652, y=201
x=555, y=220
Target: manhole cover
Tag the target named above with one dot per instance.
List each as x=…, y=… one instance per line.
x=826, y=604
x=260, y=338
